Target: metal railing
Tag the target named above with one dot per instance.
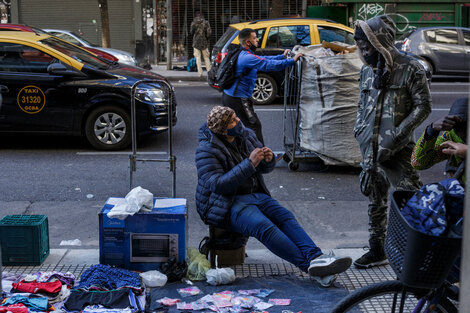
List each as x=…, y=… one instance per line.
x=133, y=157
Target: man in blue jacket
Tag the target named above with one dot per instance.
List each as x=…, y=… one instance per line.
x=231, y=194
x=238, y=96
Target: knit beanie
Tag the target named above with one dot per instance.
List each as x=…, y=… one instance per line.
x=218, y=119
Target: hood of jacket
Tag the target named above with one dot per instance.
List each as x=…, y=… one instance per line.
x=380, y=31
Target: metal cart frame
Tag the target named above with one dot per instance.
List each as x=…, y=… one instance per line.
x=133, y=157
x=293, y=152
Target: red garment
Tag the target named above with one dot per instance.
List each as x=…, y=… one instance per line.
x=15, y=308
x=34, y=287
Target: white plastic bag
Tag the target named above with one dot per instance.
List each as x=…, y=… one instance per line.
x=153, y=279
x=138, y=199
x=220, y=276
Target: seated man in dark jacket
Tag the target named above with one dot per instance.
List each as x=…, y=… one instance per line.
x=231, y=194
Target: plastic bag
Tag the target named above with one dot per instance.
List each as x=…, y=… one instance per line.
x=153, y=279
x=173, y=269
x=198, y=265
x=220, y=276
x=138, y=199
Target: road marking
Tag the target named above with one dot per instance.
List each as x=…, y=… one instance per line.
x=449, y=92
x=118, y=153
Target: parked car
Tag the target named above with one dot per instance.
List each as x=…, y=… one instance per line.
x=445, y=49
x=276, y=35
x=122, y=56
x=53, y=86
x=26, y=28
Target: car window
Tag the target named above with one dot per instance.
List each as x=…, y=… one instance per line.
x=67, y=37
x=21, y=58
x=288, y=36
x=445, y=36
x=225, y=37
x=76, y=53
x=260, y=34
x=330, y=34
x=466, y=37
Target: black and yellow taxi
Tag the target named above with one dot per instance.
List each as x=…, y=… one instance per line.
x=52, y=86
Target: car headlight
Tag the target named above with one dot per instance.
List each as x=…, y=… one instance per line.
x=154, y=95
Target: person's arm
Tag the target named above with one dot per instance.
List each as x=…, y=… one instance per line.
x=208, y=30
x=421, y=108
x=211, y=171
x=274, y=57
x=265, y=65
x=269, y=162
x=360, y=104
x=454, y=148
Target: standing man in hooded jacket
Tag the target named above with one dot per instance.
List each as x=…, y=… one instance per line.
x=238, y=96
x=394, y=99
x=201, y=31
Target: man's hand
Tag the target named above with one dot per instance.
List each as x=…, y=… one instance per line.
x=446, y=123
x=453, y=148
x=286, y=52
x=256, y=156
x=268, y=154
x=297, y=56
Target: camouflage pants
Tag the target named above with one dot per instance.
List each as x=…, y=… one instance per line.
x=396, y=172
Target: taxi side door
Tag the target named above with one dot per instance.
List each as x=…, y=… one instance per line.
x=35, y=101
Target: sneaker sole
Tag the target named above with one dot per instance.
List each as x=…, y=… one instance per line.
x=336, y=267
x=365, y=266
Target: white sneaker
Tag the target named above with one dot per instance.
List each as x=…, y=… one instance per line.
x=328, y=264
x=325, y=281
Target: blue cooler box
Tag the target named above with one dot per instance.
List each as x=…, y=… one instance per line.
x=144, y=241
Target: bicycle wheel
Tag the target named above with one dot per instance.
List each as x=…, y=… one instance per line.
x=380, y=297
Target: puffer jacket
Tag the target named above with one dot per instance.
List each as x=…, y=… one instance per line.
x=387, y=117
x=219, y=175
x=201, y=32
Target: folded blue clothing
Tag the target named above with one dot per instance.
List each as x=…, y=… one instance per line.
x=108, y=277
x=35, y=304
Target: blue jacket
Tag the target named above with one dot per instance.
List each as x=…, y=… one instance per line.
x=250, y=64
x=219, y=175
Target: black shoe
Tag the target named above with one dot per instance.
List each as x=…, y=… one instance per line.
x=371, y=259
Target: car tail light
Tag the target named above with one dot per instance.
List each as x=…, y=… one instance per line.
x=406, y=45
x=220, y=56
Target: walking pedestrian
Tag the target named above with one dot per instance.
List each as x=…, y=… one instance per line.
x=394, y=99
x=238, y=96
x=201, y=32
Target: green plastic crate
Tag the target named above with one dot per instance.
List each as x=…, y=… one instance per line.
x=24, y=239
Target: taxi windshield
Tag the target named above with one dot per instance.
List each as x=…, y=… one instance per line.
x=76, y=53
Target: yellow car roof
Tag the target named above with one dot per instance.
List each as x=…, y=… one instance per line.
x=288, y=22
x=33, y=40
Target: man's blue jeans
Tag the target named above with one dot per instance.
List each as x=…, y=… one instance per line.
x=260, y=216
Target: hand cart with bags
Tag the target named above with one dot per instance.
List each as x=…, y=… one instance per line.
x=320, y=105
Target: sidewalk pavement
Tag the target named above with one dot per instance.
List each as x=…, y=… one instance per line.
x=178, y=75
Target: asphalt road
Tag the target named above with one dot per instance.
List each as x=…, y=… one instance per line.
x=65, y=170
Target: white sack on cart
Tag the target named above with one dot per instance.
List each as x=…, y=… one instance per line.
x=328, y=105
x=138, y=199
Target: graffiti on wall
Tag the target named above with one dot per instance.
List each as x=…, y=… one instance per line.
x=370, y=10
x=432, y=17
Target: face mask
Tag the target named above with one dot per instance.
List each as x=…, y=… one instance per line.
x=372, y=59
x=252, y=47
x=235, y=131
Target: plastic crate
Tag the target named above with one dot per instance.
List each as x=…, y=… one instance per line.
x=24, y=239
x=419, y=260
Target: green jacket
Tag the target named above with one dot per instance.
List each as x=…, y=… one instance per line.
x=386, y=118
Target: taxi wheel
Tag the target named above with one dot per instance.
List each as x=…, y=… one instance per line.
x=265, y=89
x=108, y=128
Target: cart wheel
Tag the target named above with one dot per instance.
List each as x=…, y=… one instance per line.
x=286, y=158
x=293, y=166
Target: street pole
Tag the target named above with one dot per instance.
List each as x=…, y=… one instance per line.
x=169, y=34
x=465, y=261
x=304, y=8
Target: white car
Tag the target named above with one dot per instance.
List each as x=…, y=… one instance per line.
x=122, y=56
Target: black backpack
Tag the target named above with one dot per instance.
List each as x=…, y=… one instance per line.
x=225, y=76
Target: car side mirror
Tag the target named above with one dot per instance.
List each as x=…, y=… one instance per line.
x=62, y=70
x=3, y=89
